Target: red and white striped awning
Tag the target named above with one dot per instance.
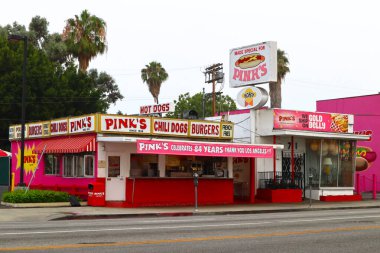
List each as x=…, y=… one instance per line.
x=72, y=144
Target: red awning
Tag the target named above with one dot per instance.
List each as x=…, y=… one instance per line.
x=72, y=144
x=4, y=153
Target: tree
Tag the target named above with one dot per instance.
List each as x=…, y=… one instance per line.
x=154, y=75
x=38, y=31
x=275, y=87
x=52, y=90
x=186, y=102
x=85, y=37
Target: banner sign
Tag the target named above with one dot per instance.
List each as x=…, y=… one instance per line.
x=82, y=124
x=37, y=130
x=170, y=127
x=58, y=127
x=159, y=108
x=310, y=121
x=254, y=64
x=203, y=149
x=124, y=124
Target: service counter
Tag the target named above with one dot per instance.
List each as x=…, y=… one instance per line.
x=177, y=191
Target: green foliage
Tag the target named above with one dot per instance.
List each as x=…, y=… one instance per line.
x=35, y=196
x=85, y=37
x=186, y=102
x=154, y=75
x=54, y=87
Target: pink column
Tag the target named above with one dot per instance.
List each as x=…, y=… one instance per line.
x=357, y=183
x=374, y=186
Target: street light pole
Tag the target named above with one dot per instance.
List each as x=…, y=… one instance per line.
x=24, y=38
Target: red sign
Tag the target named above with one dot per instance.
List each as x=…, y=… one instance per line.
x=203, y=149
x=58, y=127
x=127, y=124
x=159, y=108
x=82, y=124
x=310, y=121
x=172, y=127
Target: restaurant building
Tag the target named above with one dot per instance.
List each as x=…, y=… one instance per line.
x=138, y=161
x=319, y=151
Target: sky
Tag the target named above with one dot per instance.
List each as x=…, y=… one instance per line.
x=332, y=46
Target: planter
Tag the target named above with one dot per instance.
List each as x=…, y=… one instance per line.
x=280, y=195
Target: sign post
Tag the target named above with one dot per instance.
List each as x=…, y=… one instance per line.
x=196, y=178
x=310, y=180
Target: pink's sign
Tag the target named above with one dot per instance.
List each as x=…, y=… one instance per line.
x=310, y=121
x=203, y=149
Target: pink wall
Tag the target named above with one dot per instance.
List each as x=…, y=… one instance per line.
x=366, y=117
x=40, y=178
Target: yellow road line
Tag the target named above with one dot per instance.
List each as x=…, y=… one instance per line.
x=210, y=238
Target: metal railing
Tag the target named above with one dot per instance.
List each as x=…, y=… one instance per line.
x=280, y=180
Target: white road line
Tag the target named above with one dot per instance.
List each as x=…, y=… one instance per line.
x=191, y=226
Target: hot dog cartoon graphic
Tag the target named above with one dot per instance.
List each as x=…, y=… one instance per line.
x=249, y=61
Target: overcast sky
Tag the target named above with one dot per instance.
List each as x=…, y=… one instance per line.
x=332, y=46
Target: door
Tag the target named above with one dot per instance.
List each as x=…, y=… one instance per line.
x=115, y=183
x=299, y=170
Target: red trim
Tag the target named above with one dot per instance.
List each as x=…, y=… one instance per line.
x=253, y=180
x=280, y=195
x=274, y=159
x=356, y=197
x=292, y=158
x=71, y=144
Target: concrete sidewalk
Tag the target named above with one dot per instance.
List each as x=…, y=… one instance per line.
x=9, y=214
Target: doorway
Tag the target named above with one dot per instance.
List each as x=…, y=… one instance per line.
x=115, y=183
x=299, y=170
x=242, y=179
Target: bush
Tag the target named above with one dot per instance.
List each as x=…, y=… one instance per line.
x=35, y=196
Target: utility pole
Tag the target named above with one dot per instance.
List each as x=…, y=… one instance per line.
x=214, y=74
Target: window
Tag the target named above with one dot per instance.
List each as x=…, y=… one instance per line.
x=89, y=165
x=51, y=165
x=68, y=166
x=78, y=166
x=144, y=165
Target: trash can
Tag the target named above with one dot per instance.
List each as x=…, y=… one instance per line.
x=96, y=194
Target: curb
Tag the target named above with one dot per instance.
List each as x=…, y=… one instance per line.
x=152, y=215
x=35, y=205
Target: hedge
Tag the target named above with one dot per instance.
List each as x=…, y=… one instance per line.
x=35, y=196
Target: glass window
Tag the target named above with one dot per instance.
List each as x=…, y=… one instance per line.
x=89, y=165
x=185, y=166
x=313, y=161
x=347, y=163
x=144, y=165
x=113, y=166
x=330, y=163
x=78, y=165
x=68, y=166
x=51, y=165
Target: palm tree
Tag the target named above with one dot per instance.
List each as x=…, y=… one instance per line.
x=275, y=87
x=85, y=37
x=154, y=75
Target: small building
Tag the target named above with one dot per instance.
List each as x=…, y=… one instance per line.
x=138, y=160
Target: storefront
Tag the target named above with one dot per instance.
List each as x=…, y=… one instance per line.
x=367, y=122
x=321, y=145
x=140, y=161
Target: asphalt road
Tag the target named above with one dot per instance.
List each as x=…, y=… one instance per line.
x=289, y=232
